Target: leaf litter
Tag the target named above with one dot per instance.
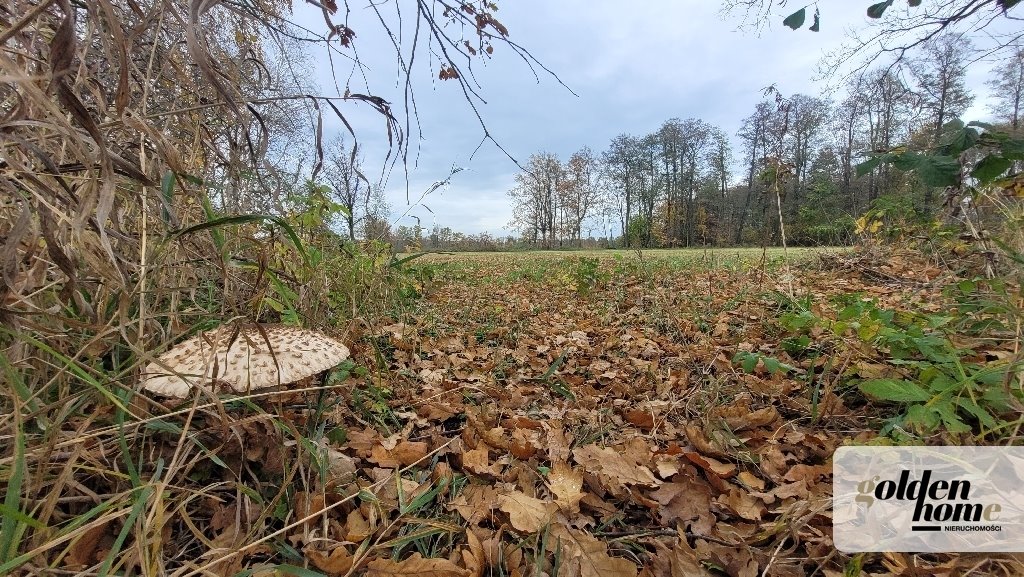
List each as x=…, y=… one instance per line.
x=512, y=426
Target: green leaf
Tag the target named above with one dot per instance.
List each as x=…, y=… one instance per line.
x=876, y=10
x=796, y=19
x=167, y=191
x=990, y=168
x=398, y=262
x=933, y=170
x=960, y=140
x=895, y=390
x=871, y=164
x=817, y=21
x=949, y=417
x=1007, y=4
x=243, y=219
x=914, y=3
x=1012, y=148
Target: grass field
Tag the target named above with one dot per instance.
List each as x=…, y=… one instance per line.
x=745, y=254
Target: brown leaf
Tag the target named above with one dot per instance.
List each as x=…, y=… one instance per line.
x=526, y=513
x=415, y=565
x=566, y=483
x=335, y=563
x=687, y=501
x=614, y=468
x=477, y=461
x=84, y=551
x=475, y=503
x=409, y=452
x=713, y=466
x=640, y=418
x=473, y=556
x=743, y=504
x=751, y=481
x=586, y=556
x=356, y=527
x=696, y=436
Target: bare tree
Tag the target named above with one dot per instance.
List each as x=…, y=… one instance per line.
x=1007, y=84
x=623, y=172
x=349, y=187
x=581, y=190
x=807, y=123
x=941, y=79
x=536, y=198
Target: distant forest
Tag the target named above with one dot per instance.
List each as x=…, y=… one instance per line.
x=794, y=161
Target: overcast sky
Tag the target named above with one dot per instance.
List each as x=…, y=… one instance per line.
x=632, y=65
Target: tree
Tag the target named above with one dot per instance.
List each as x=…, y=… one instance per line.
x=721, y=159
x=888, y=106
x=581, y=191
x=376, y=220
x=1007, y=84
x=351, y=189
x=536, y=198
x=621, y=167
x=941, y=80
x=807, y=123
x=757, y=133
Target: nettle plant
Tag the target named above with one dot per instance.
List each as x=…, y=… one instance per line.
x=930, y=367
x=971, y=161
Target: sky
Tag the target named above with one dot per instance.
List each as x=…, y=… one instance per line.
x=626, y=68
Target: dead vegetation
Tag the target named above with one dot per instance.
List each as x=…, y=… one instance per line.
x=575, y=417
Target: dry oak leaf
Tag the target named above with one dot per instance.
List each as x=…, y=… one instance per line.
x=680, y=561
x=473, y=555
x=751, y=481
x=743, y=504
x=699, y=440
x=584, y=555
x=736, y=561
x=88, y=548
x=356, y=527
x=335, y=563
x=686, y=501
x=566, y=483
x=409, y=452
x=526, y=513
x=474, y=503
x=557, y=441
x=477, y=461
x=614, y=469
x=415, y=565
x=640, y=418
x=723, y=470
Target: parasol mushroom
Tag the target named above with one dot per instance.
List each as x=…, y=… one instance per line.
x=242, y=359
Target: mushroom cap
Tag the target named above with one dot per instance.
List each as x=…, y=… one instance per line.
x=239, y=358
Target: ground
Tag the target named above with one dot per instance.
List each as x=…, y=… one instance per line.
x=607, y=413
x=597, y=414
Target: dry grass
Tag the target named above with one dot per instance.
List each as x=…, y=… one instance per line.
x=142, y=200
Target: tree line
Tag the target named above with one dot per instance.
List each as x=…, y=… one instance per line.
x=791, y=170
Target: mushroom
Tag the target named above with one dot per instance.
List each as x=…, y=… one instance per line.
x=242, y=359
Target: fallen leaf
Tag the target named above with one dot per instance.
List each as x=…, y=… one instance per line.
x=415, y=565
x=335, y=563
x=586, y=556
x=527, y=514
x=566, y=484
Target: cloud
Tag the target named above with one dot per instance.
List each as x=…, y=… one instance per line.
x=633, y=66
